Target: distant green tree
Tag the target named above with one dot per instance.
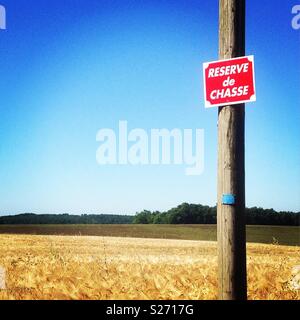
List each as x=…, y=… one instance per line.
x=144, y=217
x=30, y=218
x=198, y=214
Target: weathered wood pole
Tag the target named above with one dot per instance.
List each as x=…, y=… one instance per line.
x=231, y=165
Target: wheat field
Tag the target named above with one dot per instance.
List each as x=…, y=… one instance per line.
x=85, y=267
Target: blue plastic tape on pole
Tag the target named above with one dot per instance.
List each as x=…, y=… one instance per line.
x=228, y=199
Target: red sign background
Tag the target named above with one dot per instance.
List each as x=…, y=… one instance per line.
x=223, y=88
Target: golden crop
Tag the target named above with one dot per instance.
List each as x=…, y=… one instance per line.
x=66, y=267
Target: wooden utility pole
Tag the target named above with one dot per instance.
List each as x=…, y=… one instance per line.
x=231, y=165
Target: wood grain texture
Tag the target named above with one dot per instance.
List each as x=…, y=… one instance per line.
x=231, y=164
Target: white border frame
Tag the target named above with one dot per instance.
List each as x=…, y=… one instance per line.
x=208, y=105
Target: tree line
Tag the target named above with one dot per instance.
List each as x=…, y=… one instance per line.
x=30, y=218
x=199, y=214
x=182, y=214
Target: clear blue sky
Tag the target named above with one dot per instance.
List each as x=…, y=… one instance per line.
x=70, y=68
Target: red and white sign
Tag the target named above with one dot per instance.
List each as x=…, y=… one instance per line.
x=228, y=82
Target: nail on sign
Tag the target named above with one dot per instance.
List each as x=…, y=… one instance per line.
x=228, y=82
